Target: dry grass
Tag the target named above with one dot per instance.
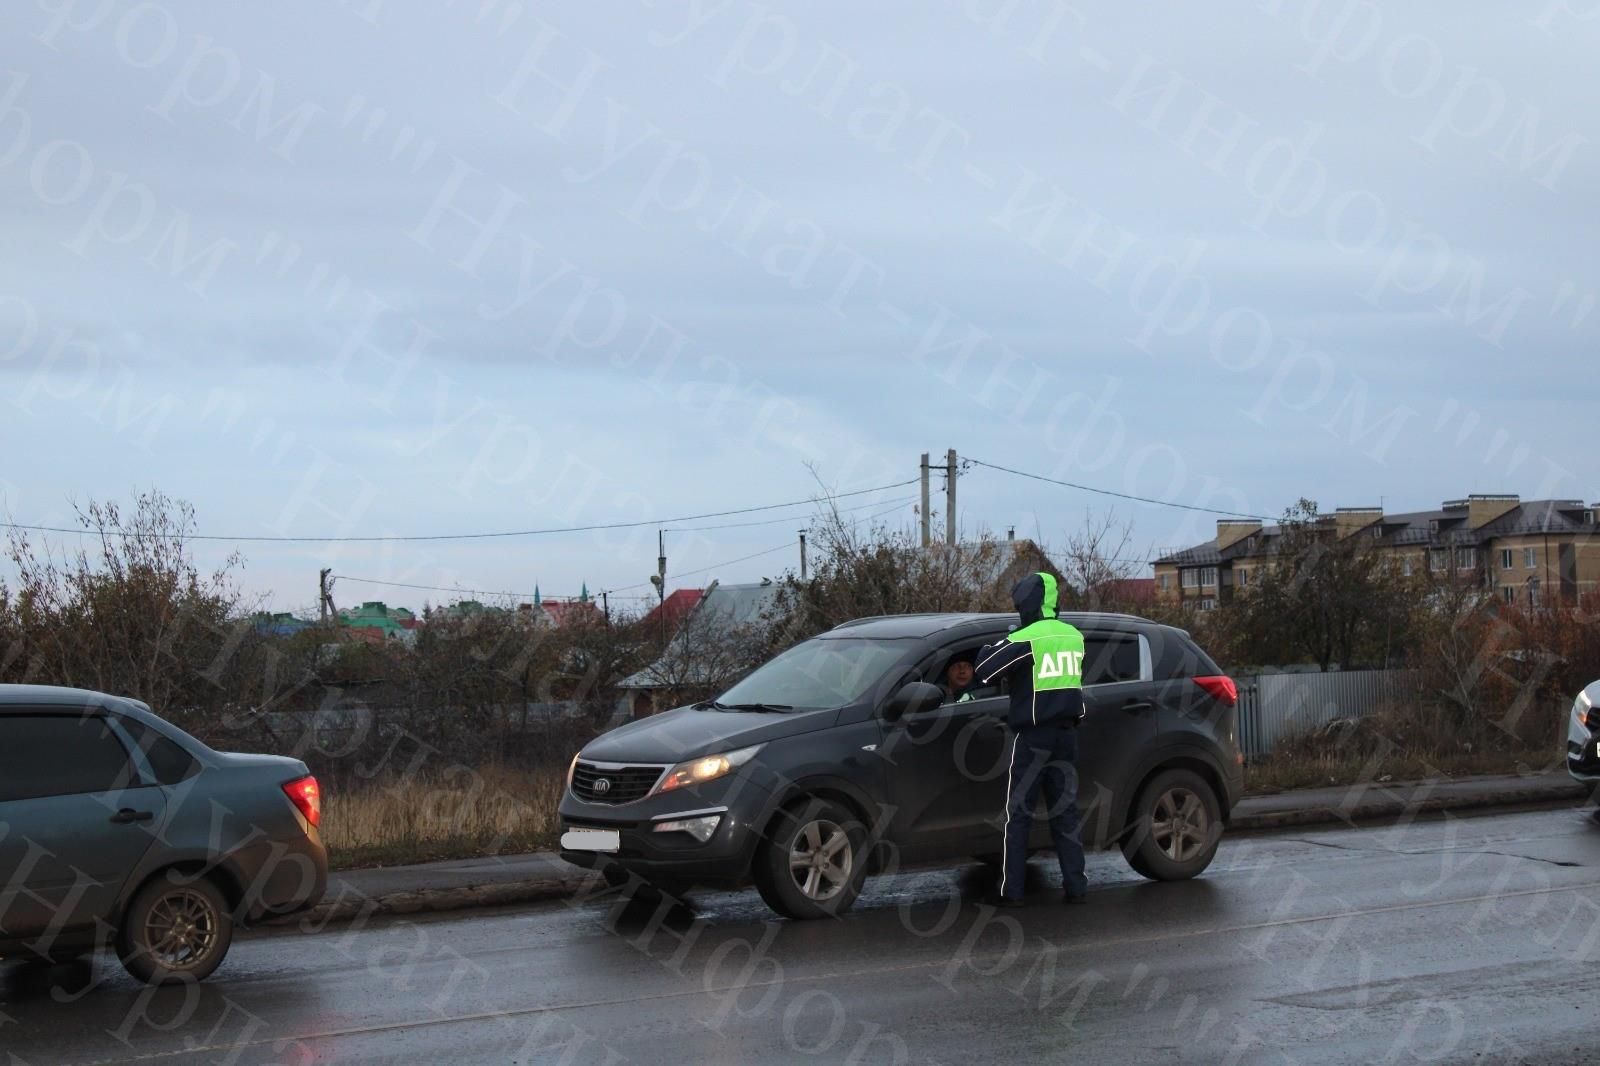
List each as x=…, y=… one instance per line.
x=456, y=814
x=503, y=811
x=1282, y=773
x=1407, y=743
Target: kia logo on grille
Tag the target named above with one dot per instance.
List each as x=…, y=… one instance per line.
x=602, y=785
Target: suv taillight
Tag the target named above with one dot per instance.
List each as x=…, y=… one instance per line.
x=305, y=794
x=1221, y=688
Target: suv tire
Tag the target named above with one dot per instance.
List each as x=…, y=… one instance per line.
x=178, y=928
x=1174, y=828
x=813, y=861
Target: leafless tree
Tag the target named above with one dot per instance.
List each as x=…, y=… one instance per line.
x=708, y=654
x=869, y=569
x=1097, y=559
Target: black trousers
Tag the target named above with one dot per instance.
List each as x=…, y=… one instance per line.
x=1043, y=758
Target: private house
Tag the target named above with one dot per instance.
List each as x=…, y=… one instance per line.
x=671, y=612
x=706, y=650
x=280, y=624
x=376, y=623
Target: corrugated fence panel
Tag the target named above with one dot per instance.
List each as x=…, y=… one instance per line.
x=1273, y=707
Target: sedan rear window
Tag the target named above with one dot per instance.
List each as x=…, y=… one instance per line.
x=819, y=673
x=169, y=762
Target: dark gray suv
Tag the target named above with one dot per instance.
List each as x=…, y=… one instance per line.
x=842, y=757
x=118, y=829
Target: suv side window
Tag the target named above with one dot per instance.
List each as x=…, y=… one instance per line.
x=1108, y=660
x=934, y=671
x=60, y=755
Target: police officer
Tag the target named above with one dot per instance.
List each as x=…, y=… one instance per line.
x=1043, y=661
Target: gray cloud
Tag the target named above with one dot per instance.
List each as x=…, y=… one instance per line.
x=1372, y=327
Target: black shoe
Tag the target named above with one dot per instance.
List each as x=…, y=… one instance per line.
x=1068, y=897
x=994, y=899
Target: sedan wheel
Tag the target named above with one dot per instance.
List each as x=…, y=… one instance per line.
x=181, y=929
x=178, y=928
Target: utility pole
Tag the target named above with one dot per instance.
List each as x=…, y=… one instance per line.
x=927, y=519
x=325, y=611
x=659, y=580
x=950, y=498
x=802, y=555
x=605, y=604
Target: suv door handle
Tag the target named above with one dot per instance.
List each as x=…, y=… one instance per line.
x=128, y=815
x=1133, y=706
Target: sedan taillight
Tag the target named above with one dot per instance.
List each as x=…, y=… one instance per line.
x=306, y=795
x=1220, y=688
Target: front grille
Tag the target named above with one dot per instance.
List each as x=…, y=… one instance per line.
x=624, y=784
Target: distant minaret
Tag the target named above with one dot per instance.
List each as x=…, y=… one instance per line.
x=536, y=600
x=583, y=597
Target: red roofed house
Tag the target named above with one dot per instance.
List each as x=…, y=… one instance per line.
x=675, y=608
x=1128, y=592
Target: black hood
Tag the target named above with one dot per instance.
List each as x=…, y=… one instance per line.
x=1035, y=597
x=688, y=734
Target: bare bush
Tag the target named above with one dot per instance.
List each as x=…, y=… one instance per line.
x=863, y=572
x=129, y=613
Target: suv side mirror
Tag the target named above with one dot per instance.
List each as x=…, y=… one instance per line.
x=913, y=698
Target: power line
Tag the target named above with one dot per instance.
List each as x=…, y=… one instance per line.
x=759, y=554
x=459, y=536
x=896, y=505
x=469, y=592
x=1118, y=495
x=774, y=521
x=741, y=559
x=508, y=594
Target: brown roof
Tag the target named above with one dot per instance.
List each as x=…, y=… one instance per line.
x=1440, y=528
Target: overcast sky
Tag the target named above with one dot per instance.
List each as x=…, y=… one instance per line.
x=393, y=268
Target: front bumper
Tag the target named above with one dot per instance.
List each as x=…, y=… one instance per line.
x=724, y=859
x=1583, y=761
x=1583, y=746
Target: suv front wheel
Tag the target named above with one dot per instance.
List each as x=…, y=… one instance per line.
x=813, y=861
x=1174, y=828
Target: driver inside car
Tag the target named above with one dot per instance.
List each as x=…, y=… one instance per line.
x=958, y=680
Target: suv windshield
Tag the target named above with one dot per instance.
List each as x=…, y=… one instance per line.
x=818, y=673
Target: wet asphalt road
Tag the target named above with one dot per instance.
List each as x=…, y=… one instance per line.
x=1459, y=940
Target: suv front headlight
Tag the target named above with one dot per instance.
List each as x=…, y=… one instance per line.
x=706, y=768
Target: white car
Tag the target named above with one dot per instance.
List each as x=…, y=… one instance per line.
x=1583, y=736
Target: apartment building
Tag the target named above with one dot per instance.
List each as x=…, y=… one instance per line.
x=1527, y=552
